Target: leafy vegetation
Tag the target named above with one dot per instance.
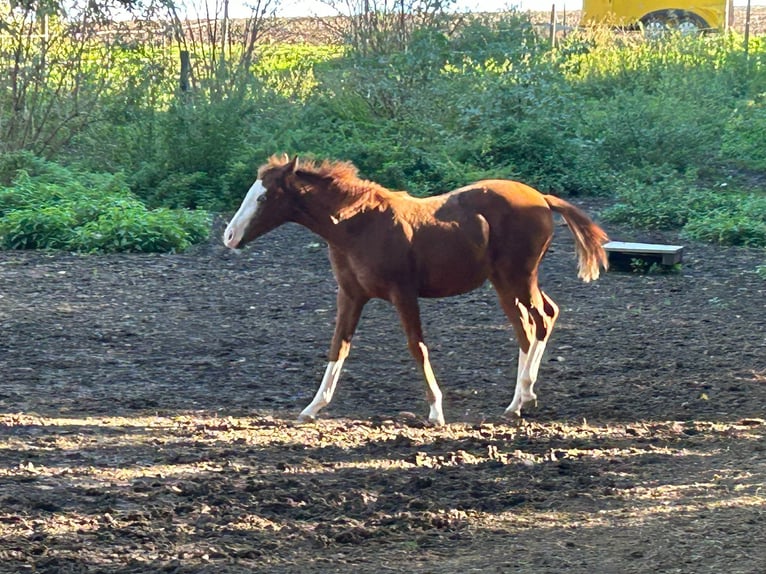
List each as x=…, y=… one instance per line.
x=54, y=208
x=672, y=129
x=705, y=214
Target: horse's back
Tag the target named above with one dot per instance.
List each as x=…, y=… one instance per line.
x=505, y=203
x=520, y=221
x=495, y=192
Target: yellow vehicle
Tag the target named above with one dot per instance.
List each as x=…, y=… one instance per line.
x=657, y=16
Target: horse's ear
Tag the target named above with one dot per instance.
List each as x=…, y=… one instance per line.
x=292, y=166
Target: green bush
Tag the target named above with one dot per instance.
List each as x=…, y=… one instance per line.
x=669, y=202
x=139, y=230
x=728, y=228
x=711, y=215
x=741, y=221
x=743, y=138
x=78, y=211
x=36, y=182
x=642, y=130
x=12, y=164
x=660, y=124
x=49, y=227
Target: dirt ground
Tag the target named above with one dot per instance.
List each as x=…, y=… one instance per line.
x=147, y=406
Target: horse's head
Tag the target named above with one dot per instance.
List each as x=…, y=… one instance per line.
x=267, y=205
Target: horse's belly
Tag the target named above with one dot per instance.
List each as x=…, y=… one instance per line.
x=453, y=278
x=444, y=290
x=453, y=262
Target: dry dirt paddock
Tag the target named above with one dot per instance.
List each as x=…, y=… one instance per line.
x=147, y=406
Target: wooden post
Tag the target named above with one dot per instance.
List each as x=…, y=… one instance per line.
x=185, y=71
x=747, y=31
x=553, y=26
x=403, y=25
x=45, y=38
x=224, y=39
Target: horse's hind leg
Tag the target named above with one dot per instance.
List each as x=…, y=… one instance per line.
x=533, y=320
x=348, y=313
x=540, y=323
x=409, y=314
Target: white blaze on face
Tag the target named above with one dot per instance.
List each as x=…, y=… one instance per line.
x=236, y=228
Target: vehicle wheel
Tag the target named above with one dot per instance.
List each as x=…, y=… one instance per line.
x=659, y=23
x=656, y=24
x=691, y=24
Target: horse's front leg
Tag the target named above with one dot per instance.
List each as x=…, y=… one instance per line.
x=348, y=313
x=409, y=314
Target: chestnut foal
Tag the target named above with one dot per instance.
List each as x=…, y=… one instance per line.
x=389, y=245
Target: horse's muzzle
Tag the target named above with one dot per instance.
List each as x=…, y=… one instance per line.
x=230, y=239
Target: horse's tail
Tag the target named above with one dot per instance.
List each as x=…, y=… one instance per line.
x=589, y=238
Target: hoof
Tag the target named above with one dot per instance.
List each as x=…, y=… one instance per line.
x=512, y=415
x=304, y=418
x=412, y=420
x=436, y=415
x=435, y=418
x=513, y=418
x=515, y=414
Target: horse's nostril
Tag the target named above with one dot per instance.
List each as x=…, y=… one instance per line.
x=228, y=237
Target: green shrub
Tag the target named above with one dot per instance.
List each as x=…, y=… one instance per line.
x=139, y=230
x=44, y=228
x=644, y=130
x=743, y=138
x=182, y=190
x=289, y=69
x=669, y=202
x=660, y=124
x=194, y=223
x=728, y=228
x=711, y=215
x=38, y=182
x=12, y=164
x=79, y=211
x=88, y=209
x=742, y=221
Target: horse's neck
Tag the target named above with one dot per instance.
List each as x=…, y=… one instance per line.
x=322, y=211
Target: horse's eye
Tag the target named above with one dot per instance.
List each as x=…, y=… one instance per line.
x=261, y=198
